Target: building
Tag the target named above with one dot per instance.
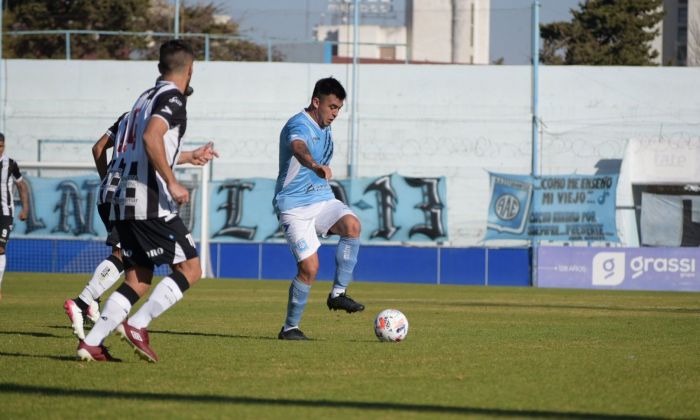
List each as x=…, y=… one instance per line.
x=680, y=33
x=448, y=31
x=436, y=31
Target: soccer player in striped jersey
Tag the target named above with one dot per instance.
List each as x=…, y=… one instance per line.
x=110, y=269
x=306, y=207
x=145, y=209
x=10, y=175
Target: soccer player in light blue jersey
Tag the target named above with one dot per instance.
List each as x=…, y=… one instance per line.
x=306, y=207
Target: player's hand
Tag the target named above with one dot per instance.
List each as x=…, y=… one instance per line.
x=23, y=215
x=323, y=172
x=203, y=154
x=178, y=193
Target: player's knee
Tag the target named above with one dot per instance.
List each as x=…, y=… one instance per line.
x=308, y=269
x=353, y=228
x=191, y=269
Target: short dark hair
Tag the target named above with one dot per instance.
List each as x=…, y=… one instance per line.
x=329, y=86
x=174, y=56
x=2, y=137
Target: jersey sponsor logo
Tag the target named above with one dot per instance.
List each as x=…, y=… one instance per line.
x=175, y=100
x=152, y=253
x=167, y=110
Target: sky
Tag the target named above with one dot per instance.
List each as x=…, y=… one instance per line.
x=295, y=19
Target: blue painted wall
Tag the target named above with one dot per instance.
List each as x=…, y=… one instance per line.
x=394, y=264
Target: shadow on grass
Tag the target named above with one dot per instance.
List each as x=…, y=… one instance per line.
x=205, y=334
x=39, y=356
x=12, y=388
x=584, y=307
x=31, y=334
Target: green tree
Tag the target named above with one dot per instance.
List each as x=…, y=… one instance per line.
x=604, y=32
x=121, y=15
x=202, y=18
x=113, y=15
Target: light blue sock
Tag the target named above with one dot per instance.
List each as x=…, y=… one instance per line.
x=345, y=260
x=298, y=295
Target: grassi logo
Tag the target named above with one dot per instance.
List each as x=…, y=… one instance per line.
x=684, y=266
x=608, y=268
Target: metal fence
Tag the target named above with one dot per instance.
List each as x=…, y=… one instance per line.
x=277, y=49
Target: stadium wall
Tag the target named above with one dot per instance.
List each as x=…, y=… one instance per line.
x=270, y=261
x=417, y=120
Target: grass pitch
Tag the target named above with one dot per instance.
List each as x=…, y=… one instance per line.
x=470, y=352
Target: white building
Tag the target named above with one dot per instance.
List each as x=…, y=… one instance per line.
x=448, y=31
x=436, y=31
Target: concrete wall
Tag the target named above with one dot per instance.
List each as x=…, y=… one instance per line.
x=421, y=120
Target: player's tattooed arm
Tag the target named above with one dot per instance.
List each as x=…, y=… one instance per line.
x=303, y=155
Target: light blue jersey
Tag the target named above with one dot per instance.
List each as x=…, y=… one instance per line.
x=298, y=186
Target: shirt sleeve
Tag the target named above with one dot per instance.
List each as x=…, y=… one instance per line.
x=112, y=131
x=298, y=132
x=170, y=106
x=14, y=170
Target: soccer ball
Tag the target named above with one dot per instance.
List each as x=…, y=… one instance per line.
x=391, y=325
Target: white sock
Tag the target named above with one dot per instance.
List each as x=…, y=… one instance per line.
x=3, y=262
x=166, y=294
x=104, y=277
x=337, y=291
x=114, y=312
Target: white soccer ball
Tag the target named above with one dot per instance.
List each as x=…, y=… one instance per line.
x=391, y=325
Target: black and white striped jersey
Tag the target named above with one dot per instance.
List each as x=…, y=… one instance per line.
x=9, y=174
x=141, y=192
x=110, y=183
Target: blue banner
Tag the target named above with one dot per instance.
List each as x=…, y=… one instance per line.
x=560, y=208
x=390, y=208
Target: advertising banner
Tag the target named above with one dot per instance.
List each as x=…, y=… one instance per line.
x=559, y=208
x=391, y=208
x=619, y=268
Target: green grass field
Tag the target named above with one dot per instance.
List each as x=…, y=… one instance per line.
x=470, y=352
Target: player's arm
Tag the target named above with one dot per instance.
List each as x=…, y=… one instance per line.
x=22, y=188
x=24, y=198
x=99, y=153
x=199, y=156
x=155, y=149
x=303, y=155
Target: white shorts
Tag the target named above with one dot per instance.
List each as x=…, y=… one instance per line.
x=303, y=225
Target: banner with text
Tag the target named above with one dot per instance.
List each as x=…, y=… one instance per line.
x=390, y=207
x=619, y=268
x=559, y=208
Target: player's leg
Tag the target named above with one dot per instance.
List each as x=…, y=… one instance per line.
x=301, y=236
x=138, y=276
x=175, y=246
x=105, y=276
x=5, y=228
x=342, y=222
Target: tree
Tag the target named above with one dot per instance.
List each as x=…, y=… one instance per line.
x=604, y=32
x=202, y=18
x=121, y=15
x=114, y=15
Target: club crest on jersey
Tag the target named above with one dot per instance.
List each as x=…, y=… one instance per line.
x=175, y=100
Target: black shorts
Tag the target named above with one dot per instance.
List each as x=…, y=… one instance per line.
x=112, y=234
x=147, y=243
x=5, y=229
